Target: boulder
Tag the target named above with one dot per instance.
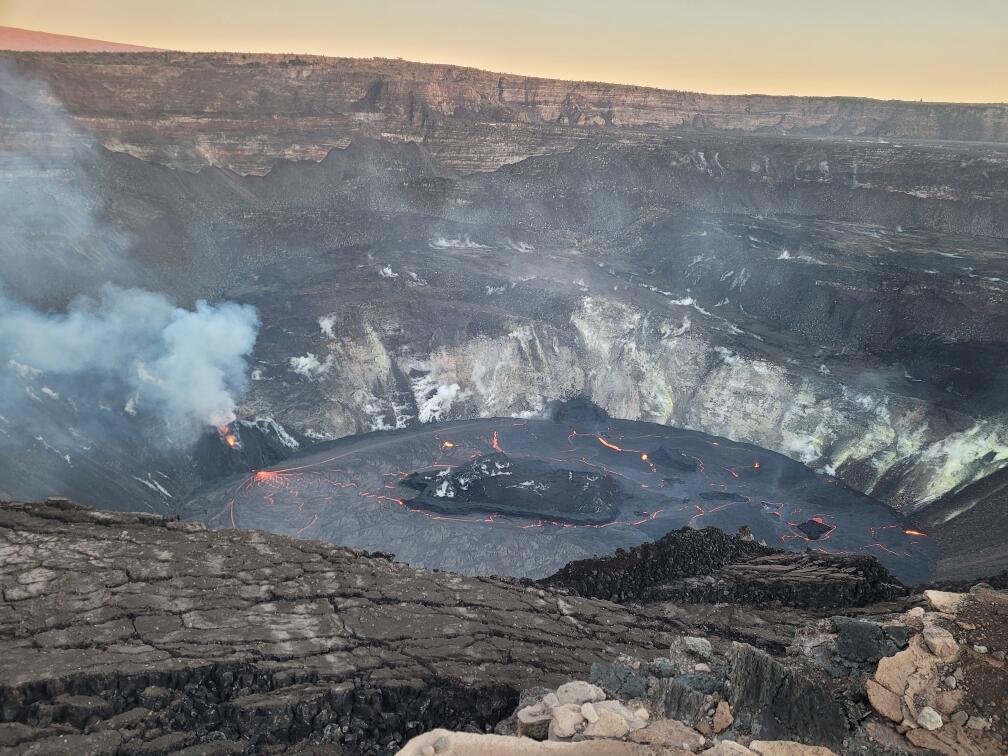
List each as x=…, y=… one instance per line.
x=608, y=725
x=945, y=601
x=669, y=733
x=728, y=748
x=619, y=680
x=579, y=692
x=782, y=701
x=929, y=719
x=698, y=646
x=952, y=741
x=941, y=642
x=473, y=744
x=635, y=721
x=663, y=667
x=911, y=674
x=884, y=701
x=534, y=721
x=861, y=641
x=566, y=721
x=788, y=748
x=723, y=718
x=675, y=699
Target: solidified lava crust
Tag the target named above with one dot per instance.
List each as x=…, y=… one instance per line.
x=525, y=497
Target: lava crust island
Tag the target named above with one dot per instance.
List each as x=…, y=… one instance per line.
x=523, y=497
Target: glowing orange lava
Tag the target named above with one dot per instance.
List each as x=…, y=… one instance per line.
x=447, y=445
x=608, y=445
x=227, y=436
x=912, y=532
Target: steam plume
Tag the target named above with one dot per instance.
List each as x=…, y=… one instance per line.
x=186, y=366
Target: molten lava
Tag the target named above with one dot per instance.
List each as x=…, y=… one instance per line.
x=228, y=437
x=607, y=444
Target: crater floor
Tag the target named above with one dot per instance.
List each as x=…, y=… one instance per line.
x=493, y=496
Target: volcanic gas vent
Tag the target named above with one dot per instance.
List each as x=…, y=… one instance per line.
x=499, y=484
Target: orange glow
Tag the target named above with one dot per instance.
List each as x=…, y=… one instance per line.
x=756, y=465
x=227, y=436
x=644, y=456
x=495, y=443
x=607, y=444
x=912, y=532
x=447, y=445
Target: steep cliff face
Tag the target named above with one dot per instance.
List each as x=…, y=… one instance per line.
x=749, y=287
x=837, y=299
x=245, y=112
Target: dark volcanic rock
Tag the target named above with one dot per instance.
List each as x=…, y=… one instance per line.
x=708, y=566
x=618, y=680
x=499, y=484
x=241, y=447
x=677, y=700
x=674, y=459
x=132, y=633
x=631, y=574
x=862, y=641
x=781, y=702
x=815, y=528
x=813, y=580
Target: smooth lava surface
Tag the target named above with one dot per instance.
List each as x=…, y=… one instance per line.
x=524, y=497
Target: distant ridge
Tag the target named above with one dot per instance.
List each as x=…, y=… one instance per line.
x=27, y=40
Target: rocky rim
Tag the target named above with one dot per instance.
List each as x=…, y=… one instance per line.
x=131, y=633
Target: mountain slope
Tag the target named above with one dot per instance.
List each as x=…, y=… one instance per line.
x=247, y=111
x=12, y=38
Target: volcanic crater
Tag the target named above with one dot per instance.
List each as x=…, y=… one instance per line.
x=469, y=495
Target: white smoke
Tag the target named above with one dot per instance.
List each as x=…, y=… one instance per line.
x=101, y=343
x=184, y=366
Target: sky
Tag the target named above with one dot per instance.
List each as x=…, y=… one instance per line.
x=941, y=50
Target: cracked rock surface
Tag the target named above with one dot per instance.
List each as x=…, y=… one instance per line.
x=132, y=633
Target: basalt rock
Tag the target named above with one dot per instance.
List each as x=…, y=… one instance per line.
x=708, y=566
x=632, y=574
x=779, y=701
x=811, y=580
x=132, y=632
